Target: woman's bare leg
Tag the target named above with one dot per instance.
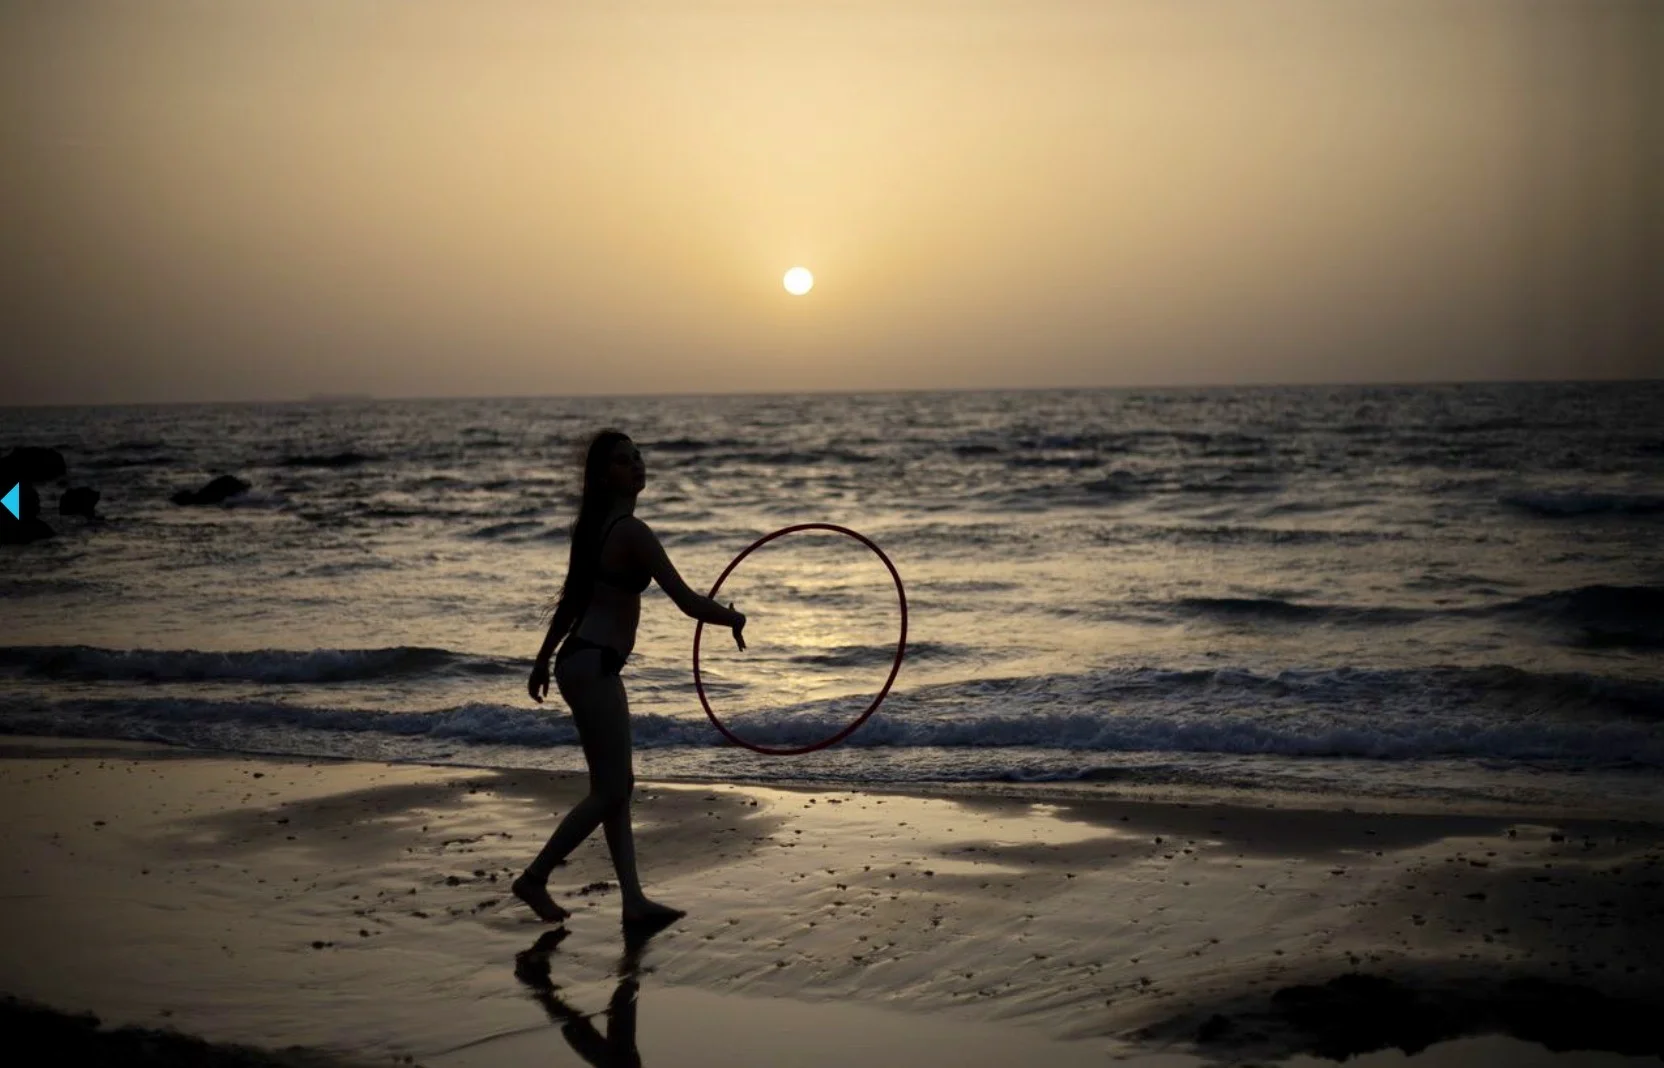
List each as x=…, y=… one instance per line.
x=601, y=710
x=638, y=908
x=579, y=681
x=614, y=744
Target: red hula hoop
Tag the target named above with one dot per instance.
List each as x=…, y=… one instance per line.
x=901, y=645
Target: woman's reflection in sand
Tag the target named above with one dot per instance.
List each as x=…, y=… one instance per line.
x=617, y=1049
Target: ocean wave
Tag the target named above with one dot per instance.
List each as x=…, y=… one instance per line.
x=1048, y=442
x=336, y=568
x=1605, y=604
x=33, y=586
x=1277, y=609
x=1595, y=615
x=1311, y=507
x=953, y=586
x=1117, y=483
x=1504, y=692
x=1571, y=505
x=114, y=463
x=1250, y=478
x=339, y=459
x=795, y=458
x=692, y=445
x=504, y=531
x=272, y=726
x=1502, y=423
x=867, y=655
x=257, y=499
x=1071, y=463
x=355, y=510
x=1235, y=446
x=1600, y=615
x=1224, y=444
x=1255, y=535
x=84, y=663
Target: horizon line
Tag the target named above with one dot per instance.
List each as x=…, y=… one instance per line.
x=359, y=396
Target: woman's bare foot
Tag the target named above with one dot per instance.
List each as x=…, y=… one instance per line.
x=650, y=913
x=537, y=896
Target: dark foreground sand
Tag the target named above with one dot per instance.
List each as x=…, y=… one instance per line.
x=361, y=911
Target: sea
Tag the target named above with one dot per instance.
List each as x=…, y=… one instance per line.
x=1449, y=595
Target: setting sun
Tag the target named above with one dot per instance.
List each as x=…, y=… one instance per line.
x=799, y=281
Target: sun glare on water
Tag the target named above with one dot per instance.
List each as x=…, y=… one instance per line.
x=798, y=281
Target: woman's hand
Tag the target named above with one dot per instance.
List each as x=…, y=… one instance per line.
x=739, y=628
x=538, y=684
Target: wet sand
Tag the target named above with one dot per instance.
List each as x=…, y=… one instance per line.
x=362, y=910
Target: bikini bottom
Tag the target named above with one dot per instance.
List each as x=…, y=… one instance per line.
x=612, y=661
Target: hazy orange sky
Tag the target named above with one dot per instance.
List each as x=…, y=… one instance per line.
x=269, y=198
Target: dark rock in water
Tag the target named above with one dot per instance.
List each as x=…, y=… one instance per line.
x=79, y=500
x=31, y=463
x=214, y=492
x=21, y=532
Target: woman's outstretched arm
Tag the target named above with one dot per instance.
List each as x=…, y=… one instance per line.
x=658, y=564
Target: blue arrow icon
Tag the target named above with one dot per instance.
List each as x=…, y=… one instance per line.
x=10, y=501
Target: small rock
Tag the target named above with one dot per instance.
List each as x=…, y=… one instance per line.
x=215, y=492
x=79, y=500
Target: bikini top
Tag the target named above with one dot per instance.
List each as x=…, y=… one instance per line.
x=621, y=580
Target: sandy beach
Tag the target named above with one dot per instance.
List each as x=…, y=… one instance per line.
x=361, y=910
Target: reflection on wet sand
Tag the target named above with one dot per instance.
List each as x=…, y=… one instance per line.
x=534, y=967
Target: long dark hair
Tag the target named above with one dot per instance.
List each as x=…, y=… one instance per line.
x=584, y=558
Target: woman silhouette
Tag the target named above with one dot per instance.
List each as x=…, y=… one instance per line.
x=614, y=556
